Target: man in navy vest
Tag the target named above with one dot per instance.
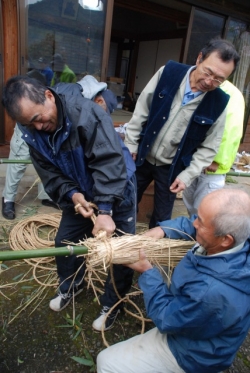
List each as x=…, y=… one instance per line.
x=178, y=122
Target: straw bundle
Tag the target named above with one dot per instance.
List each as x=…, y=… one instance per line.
x=244, y=159
x=39, y=231
x=243, y=162
x=125, y=250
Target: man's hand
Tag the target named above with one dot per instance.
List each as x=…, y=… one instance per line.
x=177, y=186
x=212, y=168
x=156, y=232
x=104, y=223
x=84, y=208
x=134, y=156
x=142, y=265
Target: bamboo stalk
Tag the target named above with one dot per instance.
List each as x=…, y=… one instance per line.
x=23, y=161
x=232, y=173
x=45, y=252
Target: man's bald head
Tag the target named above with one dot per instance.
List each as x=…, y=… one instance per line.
x=231, y=213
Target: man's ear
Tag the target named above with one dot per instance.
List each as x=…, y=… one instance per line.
x=228, y=242
x=99, y=100
x=199, y=59
x=48, y=94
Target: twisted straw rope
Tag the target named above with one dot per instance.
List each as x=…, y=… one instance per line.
x=25, y=236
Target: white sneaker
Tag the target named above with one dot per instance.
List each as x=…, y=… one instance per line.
x=98, y=324
x=61, y=300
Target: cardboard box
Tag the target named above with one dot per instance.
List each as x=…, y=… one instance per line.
x=115, y=79
x=116, y=88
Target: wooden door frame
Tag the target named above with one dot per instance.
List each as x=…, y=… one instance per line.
x=2, y=129
x=106, y=40
x=10, y=55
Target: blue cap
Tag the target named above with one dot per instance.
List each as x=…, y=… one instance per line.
x=110, y=99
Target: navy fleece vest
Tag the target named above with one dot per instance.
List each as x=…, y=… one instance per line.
x=206, y=113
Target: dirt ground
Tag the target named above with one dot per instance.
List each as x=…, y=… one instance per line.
x=45, y=341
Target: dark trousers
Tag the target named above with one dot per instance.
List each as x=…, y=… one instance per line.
x=74, y=227
x=163, y=198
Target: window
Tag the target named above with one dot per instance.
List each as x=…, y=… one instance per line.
x=64, y=38
x=205, y=26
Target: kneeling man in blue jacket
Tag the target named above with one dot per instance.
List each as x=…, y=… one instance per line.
x=203, y=317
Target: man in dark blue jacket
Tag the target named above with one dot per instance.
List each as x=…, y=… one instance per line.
x=203, y=316
x=78, y=156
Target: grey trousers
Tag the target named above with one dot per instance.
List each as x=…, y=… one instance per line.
x=200, y=187
x=14, y=172
x=144, y=353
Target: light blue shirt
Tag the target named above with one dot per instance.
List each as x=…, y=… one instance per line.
x=189, y=95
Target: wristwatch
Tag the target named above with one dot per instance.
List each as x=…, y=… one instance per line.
x=105, y=212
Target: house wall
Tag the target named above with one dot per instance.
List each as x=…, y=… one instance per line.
x=152, y=55
x=245, y=144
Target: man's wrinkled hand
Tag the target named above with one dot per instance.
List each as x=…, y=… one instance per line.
x=82, y=206
x=142, y=265
x=177, y=186
x=156, y=232
x=212, y=167
x=134, y=156
x=104, y=223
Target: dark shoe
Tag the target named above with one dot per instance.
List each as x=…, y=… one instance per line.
x=49, y=203
x=61, y=300
x=109, y=321
x=8, y=210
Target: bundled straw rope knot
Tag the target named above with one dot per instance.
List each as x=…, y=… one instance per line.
x=77, y=207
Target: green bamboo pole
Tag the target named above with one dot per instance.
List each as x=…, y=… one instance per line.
x=42, y=253
x=23, y=161
x=233, y=173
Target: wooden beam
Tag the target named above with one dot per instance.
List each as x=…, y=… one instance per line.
x=10, y=37
x=235, y=9
x=118, y=35
x=106, y=41
x=154, y=9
